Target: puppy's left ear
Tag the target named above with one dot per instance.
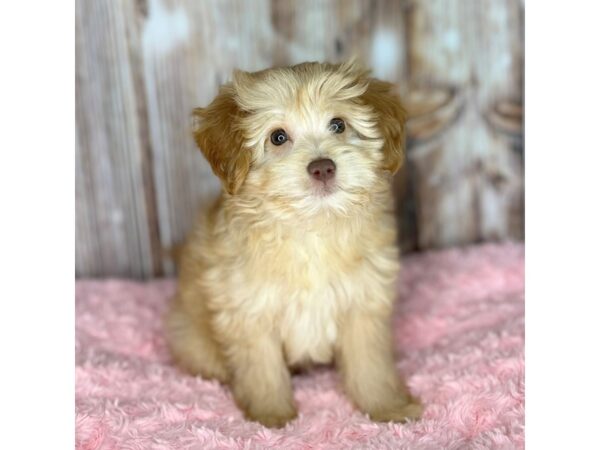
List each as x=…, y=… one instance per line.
x=391, y=119
x=218, y=134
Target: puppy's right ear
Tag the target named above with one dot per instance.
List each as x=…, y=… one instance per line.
x=218, y=134
x=391, y=118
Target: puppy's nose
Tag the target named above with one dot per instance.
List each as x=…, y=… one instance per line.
x=322, y=169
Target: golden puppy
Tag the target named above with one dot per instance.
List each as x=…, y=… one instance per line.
x=296, y=262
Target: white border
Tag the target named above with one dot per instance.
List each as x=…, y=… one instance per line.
x=37, y=226
x=562, y=168
x=562, y=224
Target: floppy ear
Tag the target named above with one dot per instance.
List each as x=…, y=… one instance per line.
x=218, y=135
x=391, y=118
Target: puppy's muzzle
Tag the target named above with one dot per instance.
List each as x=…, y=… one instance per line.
x=321, y=169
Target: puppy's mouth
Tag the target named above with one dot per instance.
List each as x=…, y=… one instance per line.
x=324, y=189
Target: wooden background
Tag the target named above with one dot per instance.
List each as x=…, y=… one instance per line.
x=141, y=66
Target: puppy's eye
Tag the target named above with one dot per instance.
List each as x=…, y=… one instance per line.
x=279, y=137
x=337, y=126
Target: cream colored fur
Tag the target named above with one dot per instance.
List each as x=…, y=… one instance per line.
x=280, y=273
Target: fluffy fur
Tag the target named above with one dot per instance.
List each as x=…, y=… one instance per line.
x=284, y=270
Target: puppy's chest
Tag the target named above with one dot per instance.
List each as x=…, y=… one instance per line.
x=308, y=326
x=309, y=261
x=305, y=285
x=312, y=282
x=320, y=279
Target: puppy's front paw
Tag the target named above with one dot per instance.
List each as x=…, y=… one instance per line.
x=273, y=418
x=397, y=412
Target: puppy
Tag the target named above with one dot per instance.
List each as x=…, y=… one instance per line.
x=297, y=260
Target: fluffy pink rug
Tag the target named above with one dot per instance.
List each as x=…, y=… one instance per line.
x=459, y=323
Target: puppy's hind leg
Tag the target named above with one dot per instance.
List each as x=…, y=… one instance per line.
x=192, y=345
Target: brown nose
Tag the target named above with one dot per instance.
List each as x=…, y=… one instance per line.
x=322, y=169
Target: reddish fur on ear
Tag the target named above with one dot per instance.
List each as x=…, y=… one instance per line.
x=391, y=119
x=217, y=134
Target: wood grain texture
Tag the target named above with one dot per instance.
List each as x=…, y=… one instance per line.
x=183, y=69
x=113, y=235
x=464, y=61
x=142, y=66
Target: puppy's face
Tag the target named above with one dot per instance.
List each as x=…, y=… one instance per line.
x=307, y=138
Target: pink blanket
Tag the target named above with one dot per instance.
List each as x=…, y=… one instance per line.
x=459, y=323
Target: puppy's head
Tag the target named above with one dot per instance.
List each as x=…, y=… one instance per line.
x=306, y=137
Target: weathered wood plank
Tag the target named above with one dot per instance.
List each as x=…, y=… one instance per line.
x=143, y=66
x=113, y=230
x=468, y=178
x=190, y=49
